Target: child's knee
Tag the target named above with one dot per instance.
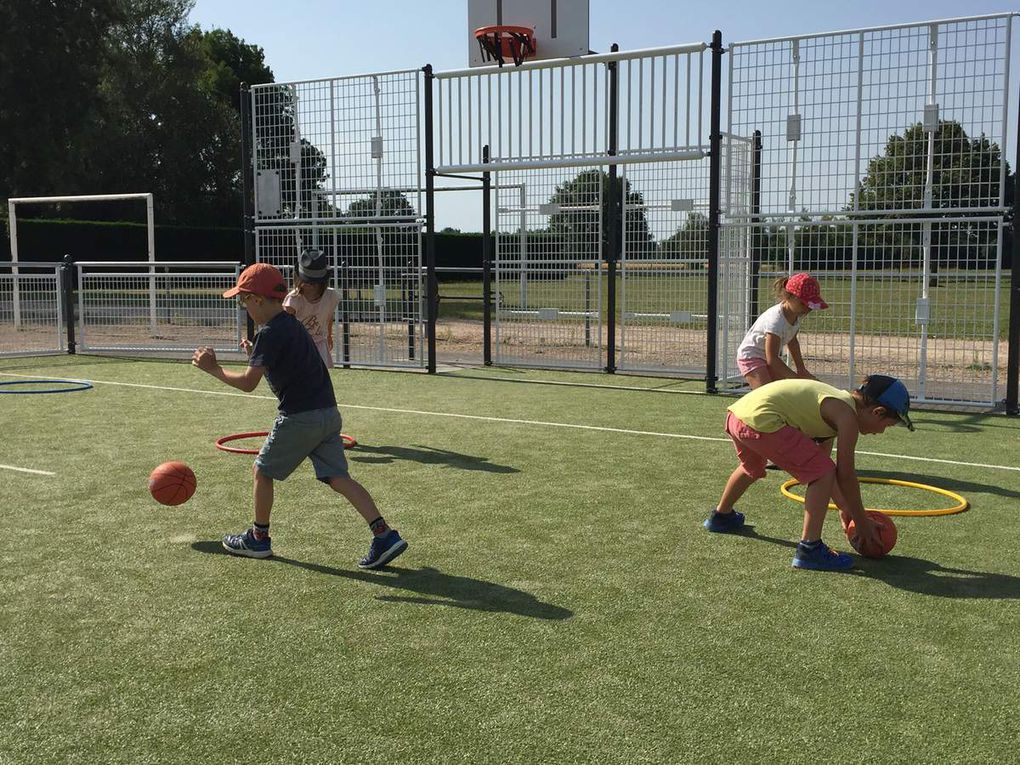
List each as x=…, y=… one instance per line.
x=259, y=475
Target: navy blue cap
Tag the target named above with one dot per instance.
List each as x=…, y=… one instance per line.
x=890, y=393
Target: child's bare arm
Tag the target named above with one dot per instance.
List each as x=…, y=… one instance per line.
x=840, y=416
x=774, y=359
x=798, y=359
x=247, y=381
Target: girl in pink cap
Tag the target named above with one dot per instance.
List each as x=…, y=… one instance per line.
x=759, y=357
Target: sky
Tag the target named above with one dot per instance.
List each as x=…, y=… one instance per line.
x=310, y=39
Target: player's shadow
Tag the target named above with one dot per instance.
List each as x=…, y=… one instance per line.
x=425, y=455
x=430, y=587
x=923, y=576
x=972, y=423
x=953, y=484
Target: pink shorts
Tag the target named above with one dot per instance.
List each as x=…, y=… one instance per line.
x=788, y=447
x=749, y=365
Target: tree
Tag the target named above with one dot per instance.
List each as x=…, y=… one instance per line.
x=690, y=240
x=966, y=174
x=583, y=202
x=51, y=65
x=123, y=95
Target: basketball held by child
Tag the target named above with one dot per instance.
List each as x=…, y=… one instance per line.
x=885, y=531
x=172, y=483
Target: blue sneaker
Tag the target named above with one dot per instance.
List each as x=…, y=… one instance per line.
x=821, y=558
x=247, y=545
x=384, y=549
x=723, y=522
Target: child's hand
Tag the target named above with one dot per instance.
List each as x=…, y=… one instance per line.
x=205, y=359
x=866, y=534
x=246, y=346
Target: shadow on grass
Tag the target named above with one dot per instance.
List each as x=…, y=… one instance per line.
x=923, y=576
x=970, y=423
x=432, y=587
x=425, y=455
x=953, y=484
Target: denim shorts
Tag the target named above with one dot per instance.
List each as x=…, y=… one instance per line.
x=314, y=434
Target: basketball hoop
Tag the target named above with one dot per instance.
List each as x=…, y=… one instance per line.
x=500, y=43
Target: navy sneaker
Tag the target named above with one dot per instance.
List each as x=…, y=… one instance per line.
x=723, y=522
x=821, y=558
x=384, y=549
x=247, y=545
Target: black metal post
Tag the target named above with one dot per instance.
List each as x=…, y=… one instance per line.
x=714, y=173
x=408, y=296
x=247, y=188
x=345, y=313
x=67, y=288
x=756, y=232
x=432, y=286
x=486, y=261
x=614, y=210
x=1013, y=351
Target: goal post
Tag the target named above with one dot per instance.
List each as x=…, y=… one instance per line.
x=150, y=227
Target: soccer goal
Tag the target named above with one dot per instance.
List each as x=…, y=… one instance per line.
x=12, y=211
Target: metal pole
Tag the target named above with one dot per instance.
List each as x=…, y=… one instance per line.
x=1013, y=352
x=756, y=232
x=486, y=262
x=614, y=209
x=247, y=191
x=431, y=285
x=714, y=168
x=150, y=229
x=12, y=224
x=67, y=287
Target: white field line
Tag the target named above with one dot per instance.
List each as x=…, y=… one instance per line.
x=26, y=470
x=540, y=423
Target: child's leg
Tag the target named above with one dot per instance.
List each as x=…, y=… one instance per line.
x=816, y=504
x=357, y=495
x=263, y=495
x=758, y=377
x=739, y=482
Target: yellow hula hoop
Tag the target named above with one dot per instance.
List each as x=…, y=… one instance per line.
x=962, y=505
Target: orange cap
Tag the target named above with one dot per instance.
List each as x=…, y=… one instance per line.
x=260, y=279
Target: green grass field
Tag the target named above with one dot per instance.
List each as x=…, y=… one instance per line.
x=559, y=603
x=886, y=305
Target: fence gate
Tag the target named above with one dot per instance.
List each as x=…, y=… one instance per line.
x=883, y=172
x=336, y=166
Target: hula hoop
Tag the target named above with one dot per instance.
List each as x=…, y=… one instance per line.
x=349, y=442
x=80, y=385
x=962, y=503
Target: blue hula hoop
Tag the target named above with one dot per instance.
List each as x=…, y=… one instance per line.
x=80, y=385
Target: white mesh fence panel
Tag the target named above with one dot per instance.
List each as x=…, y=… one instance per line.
x=37, y=325
x=883, y=172
x=165, y=307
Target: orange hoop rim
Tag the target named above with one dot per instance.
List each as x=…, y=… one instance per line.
x=349, y=442
x=499, y=42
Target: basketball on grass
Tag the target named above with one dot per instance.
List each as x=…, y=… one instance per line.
x=172, y=483
x=886, y=534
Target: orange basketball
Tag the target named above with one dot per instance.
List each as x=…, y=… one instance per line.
x=886, y=534
x=172, y=483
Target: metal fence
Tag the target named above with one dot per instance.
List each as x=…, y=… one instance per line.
x=567, y=141
x=337, y=167
x=883, y=172
x=163, y=307
x=31, y=312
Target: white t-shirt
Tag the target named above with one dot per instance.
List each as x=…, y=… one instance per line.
x=773, y=322
x=317, y=317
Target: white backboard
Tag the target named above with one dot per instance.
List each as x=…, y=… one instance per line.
x=561, y=26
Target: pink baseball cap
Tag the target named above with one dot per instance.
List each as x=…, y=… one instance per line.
x=805, y=287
